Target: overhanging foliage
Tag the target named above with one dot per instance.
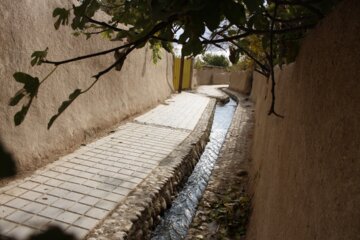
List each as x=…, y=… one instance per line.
x=279, y=25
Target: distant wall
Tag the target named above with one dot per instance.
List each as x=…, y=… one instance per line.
x=211, y=76
x=28, y=26
x=305, y=175
x=241, y=81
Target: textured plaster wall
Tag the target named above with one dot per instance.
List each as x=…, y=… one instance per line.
x=27, y=26
x=306, y=172
x=211, y=75
x=241, y=81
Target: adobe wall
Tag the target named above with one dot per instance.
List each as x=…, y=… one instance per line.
x=211, y=76
x=306, y=167
x=28, y=26
x=241, y=81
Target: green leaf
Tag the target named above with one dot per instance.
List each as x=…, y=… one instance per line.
x=86, y=10
x=63, y=17
x=212, y=15
x=184, y=36
x=193, y=47
x=244, y=43
x=38, y=57
x=167, y=46
x=265, y=42
x=253, y=5
x=166, y=33
x=234, y=12
x=64, y=106
x=120, y=35
x=107, y=34
x=76, y=34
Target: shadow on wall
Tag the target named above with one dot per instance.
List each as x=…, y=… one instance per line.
x=7, y=163
x=53, y=233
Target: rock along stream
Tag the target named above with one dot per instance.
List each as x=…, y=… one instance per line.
x=176, y=220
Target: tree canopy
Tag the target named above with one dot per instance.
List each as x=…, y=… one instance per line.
x=210, y=59
x=278, y=27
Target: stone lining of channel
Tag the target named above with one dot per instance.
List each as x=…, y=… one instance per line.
x=138, y=214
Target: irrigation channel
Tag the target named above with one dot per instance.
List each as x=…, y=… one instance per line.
x=176, y=220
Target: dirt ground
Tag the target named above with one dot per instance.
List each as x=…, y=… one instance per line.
x=225, y=207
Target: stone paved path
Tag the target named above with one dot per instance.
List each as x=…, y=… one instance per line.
x=79, y=190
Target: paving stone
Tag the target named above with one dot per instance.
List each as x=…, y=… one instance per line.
x=63, y=226
x=79, y=190
x=17, y=203
x=53, y=182
x=43, y=189
x=73, y=196
x=21, y=232
x=6, y=226
x=79, y=208
x=105, y=187
x=29, y=185
x=77, y=180
x=86, y=222
x=114, y=197
x=51, y=212
x=69, y=186
x=126, y=172
x=5, y=211
x=78, y=232
x=90, y=183
x=50, y=174
x=60, y=169
x=19, y=216
x=67, y=217
x=88, y=200
x=98, y=193
x=128, y=185
x=139, y=175
x=57, y=192
x=39, y=179
x=122, y=191
x=46, y=199
x=64, y=177
x=30, y=195
x=34, y=207
x=38, y=222
x=174, y=114
x=16, y=191
x=106, y=205
x=63, y=203
x=97, y=213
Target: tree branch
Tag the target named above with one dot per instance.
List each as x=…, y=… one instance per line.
x=226, y=39
x=135, y=44
x=271, y=61
x=262, y=66
x=57, y=63
x=103, y=24
x=174, y=40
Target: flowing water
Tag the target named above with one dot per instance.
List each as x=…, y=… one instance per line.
x=177, y=219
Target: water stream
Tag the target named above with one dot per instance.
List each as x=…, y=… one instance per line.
x=176, y=220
